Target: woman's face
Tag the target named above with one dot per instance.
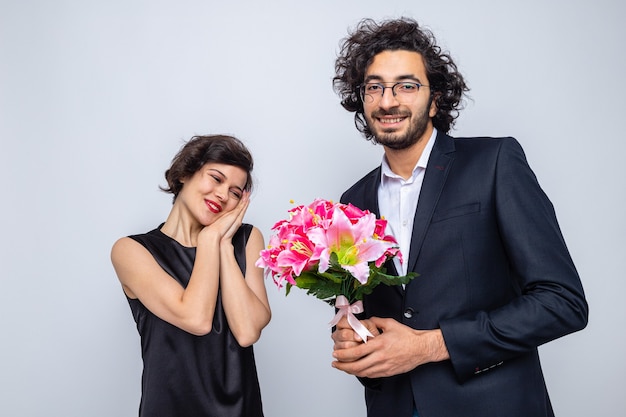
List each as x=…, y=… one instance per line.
x=214, y=189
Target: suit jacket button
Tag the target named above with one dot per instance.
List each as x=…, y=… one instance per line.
x=408, y=313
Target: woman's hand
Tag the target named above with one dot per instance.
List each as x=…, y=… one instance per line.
x=228, y=223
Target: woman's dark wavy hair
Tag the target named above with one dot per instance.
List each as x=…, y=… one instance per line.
x=200, y=150
x=447, y=85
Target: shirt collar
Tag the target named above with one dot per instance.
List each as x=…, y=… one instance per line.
x=387, y=173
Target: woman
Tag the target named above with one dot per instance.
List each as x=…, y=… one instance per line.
x=197, y=298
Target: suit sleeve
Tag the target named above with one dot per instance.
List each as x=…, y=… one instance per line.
x=551, y=303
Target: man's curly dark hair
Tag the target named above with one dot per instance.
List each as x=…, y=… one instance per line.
x=369, y=38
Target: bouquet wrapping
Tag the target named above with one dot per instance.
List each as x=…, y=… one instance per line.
x=336, y=252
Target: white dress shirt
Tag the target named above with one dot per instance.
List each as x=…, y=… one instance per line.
x=397, y=201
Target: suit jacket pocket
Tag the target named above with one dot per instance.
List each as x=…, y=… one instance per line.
x=448, y=213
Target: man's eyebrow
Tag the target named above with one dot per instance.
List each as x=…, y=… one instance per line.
x=378, y=78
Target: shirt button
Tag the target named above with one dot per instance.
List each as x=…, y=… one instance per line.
x=408, y=313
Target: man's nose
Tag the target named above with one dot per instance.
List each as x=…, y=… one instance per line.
x=388, y=98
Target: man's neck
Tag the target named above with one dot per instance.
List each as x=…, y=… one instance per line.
x=402, y=161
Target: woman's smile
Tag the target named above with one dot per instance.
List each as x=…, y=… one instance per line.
x=213, y=206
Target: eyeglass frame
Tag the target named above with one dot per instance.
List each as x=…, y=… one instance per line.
x=362, y=93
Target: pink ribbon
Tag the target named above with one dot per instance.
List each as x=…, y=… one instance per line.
x=348, y=310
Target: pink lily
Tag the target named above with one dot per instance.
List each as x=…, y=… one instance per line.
x=353, y=243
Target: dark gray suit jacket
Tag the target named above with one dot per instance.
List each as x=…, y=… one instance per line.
x=495, y=276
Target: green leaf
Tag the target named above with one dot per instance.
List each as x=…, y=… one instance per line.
x=379, y=277
x=322, y=289
x=336, y=281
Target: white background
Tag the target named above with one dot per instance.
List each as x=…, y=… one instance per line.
x=96, y=97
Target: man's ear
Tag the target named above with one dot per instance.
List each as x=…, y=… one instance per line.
x=433, y=105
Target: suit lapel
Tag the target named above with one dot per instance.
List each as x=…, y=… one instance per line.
x=370, y=202
x=370, y=197
x=439, y=165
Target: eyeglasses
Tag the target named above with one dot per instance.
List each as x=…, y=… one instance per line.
x=403, y=91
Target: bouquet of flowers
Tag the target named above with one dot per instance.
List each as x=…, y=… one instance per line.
x=336, y=252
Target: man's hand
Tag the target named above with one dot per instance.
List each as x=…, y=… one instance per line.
x=394, y=350
x=345, y=337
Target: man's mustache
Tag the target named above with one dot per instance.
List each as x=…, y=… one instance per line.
x=390, y=112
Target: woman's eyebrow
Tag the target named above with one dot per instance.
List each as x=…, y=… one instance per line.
x=225, y=177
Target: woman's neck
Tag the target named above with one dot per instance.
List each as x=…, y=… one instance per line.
x=181, y=227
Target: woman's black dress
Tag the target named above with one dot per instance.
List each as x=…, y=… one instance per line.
x=186, y=375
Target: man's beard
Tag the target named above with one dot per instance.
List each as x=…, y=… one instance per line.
x=391, y=139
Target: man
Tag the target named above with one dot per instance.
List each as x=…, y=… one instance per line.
x=495, y=277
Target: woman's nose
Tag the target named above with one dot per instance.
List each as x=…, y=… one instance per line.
x=222, y=192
